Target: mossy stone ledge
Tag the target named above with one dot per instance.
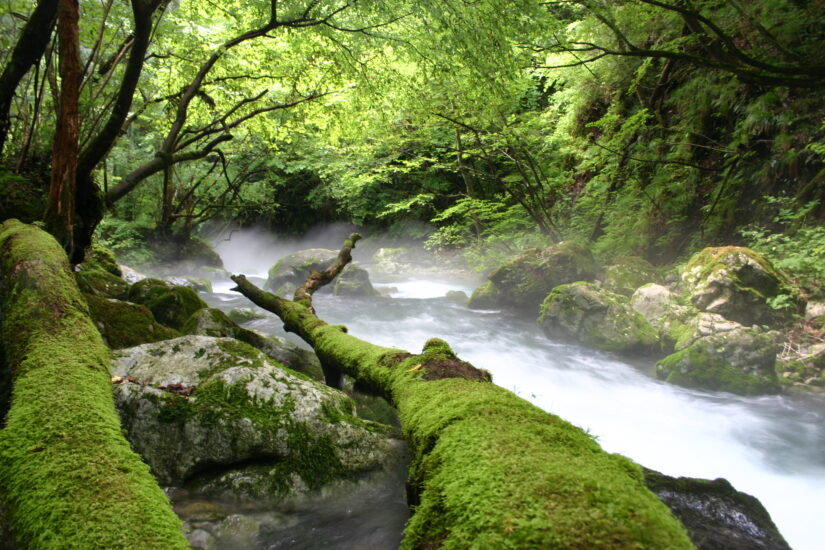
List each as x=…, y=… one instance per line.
x=68, y=477
x=171, y=305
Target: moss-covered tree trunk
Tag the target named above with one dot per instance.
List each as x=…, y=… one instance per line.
x=68, y=478
x=489, y=470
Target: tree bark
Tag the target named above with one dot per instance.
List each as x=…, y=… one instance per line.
x=61, y=209
x=27, y=52
x=489, y=470
x=68, y=477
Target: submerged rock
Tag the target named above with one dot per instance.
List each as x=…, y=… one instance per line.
x=487, y=296
x=172, y=305
x=124, y=324
x=737, y=283
x=217, y=407
x=627, y=274
x=716, y=515
x=526, y=280
x=717, y=354
x=596, y=317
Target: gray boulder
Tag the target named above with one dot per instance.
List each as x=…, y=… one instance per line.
x=201, y=405
x=737, y=283
x=663, y=309
x=595, y=317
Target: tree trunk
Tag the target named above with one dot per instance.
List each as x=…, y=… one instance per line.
x=68, y=478
x=27, y=52
x=61, y=209
x=489, y=470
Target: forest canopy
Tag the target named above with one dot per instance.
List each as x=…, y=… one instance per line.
x=645, y=127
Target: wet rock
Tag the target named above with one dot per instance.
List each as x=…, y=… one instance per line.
x=292, y=270
x=717, y=354
x=486, y=296
x=527, y=279
x=205, y=406
x=214, y=322
x=353, y=281
x=171, y=305
x=736, y=283
x=124, y=324
x=627, y=274
x=198, y=284
x=595, y=317
x=130, y=275
x=457, y=297
x=716, y=515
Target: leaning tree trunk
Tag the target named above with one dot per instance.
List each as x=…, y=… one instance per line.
x=489, y=470
x=68, y=478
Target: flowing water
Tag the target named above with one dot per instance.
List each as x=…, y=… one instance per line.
x=772, y=447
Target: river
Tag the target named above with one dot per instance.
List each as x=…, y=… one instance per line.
x=772, y=447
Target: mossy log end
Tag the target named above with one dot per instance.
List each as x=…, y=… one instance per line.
x=489, y=469
x=68, y=477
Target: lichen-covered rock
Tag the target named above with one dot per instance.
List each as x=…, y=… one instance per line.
x=124, y=324
x=721, y=355
x=486, y=296
x=171, y=305
x=663, y=309
x=353, y=281
x=629, y=273
x=735, y=282
x=214, y=322
x=526, y=280
x=198, y=403
x=595, y=317
x=292, y=270
x=716, y=515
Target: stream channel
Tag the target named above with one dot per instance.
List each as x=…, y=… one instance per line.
x=772, y=447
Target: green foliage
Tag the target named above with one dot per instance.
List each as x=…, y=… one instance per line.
x=128, y=240
x=795, y=245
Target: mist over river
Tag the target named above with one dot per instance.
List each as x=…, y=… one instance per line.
x=772, y=447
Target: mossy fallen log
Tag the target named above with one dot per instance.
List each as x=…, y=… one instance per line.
x=68, y=478
x=489, y=469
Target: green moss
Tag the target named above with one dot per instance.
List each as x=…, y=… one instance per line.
x=124, y=324
x=171, y=305
x=695, y=367
x=487, y=296
x=69, y=479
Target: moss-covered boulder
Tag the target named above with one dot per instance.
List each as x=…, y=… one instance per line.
x=199, y=403
x=214, y=322
x=627, y=273
x=737, y=283
x=596, y=317
x=526, y=280
x=124, y=324
x=721, y=355
x=291, y=271
x=171, y=305
x=244, y=314
x=716, y=515
x=486, y=296
x=353, y=281
x=458, y=297
x=100, y=275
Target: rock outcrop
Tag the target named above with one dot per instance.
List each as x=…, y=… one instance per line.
x=171, y=305
x=596, y=317
x=217, y=407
